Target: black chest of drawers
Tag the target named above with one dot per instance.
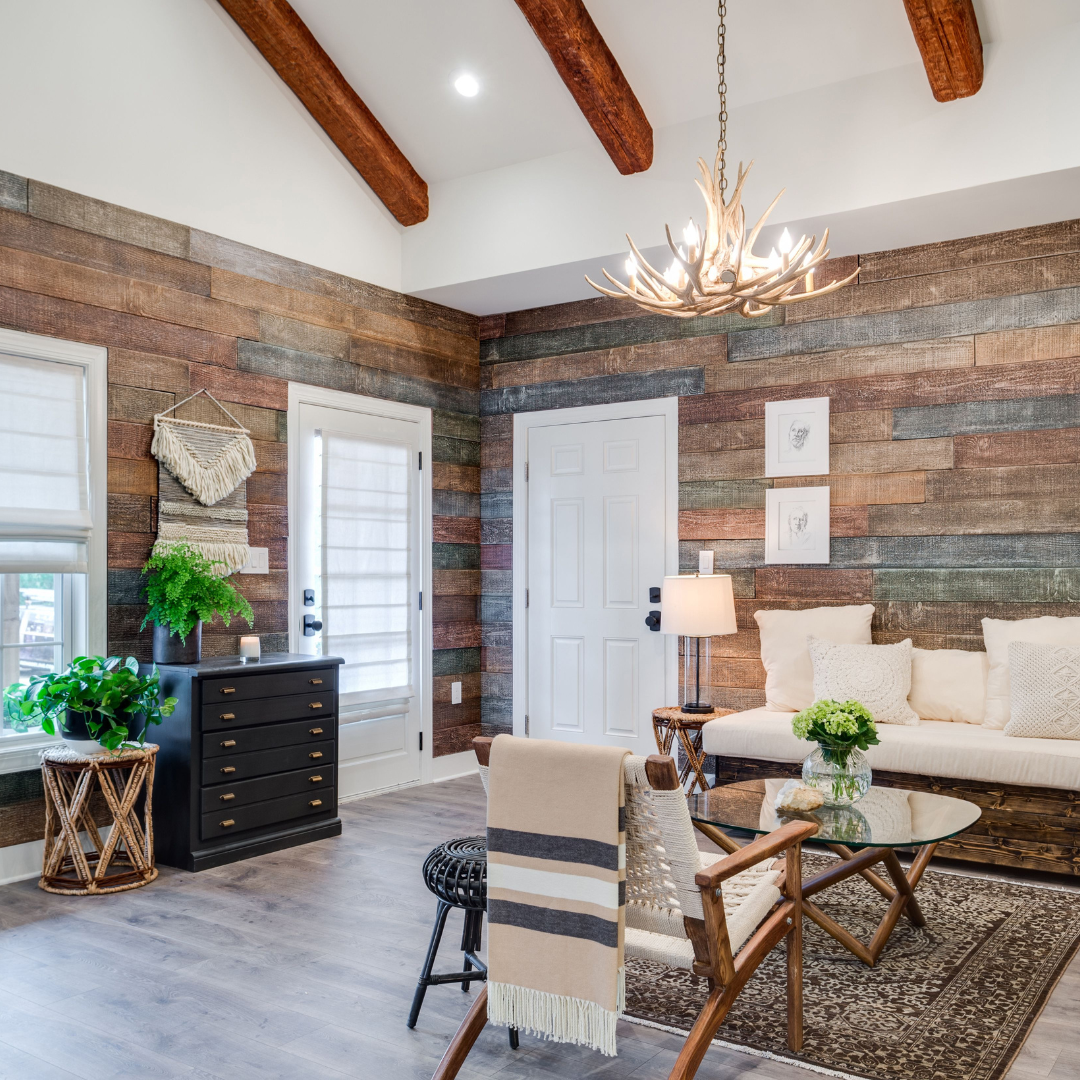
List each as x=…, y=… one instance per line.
x=248, y=761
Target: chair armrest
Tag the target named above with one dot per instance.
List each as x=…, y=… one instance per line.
x=482, y=748
x=762, y=848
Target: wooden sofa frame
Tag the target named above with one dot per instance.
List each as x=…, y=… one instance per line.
x=1031, y=828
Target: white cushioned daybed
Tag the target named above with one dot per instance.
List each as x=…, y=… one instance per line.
x=1028, y=787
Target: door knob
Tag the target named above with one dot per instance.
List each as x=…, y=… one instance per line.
x=311, y=626
x=653, y=621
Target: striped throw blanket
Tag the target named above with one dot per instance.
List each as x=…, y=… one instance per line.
x=556, y=889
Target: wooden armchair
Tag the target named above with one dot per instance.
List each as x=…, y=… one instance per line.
x=716, y=915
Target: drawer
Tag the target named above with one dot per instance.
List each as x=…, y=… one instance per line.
x=291, y=807
x=226, y=796
x=244, y=740
x=264, y=762
x=233, y=714
x=257, y=685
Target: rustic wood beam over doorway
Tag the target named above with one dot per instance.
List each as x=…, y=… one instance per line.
x=292, y=51
x=947, y=33
x=593, y=76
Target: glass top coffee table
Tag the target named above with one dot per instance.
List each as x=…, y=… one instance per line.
x=863, y=835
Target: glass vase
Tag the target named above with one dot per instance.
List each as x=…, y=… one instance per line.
x=842, y=781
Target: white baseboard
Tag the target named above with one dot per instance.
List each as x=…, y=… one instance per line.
x=20, y=862
x=451, y=766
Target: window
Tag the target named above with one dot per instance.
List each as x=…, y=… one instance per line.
x=52, y=512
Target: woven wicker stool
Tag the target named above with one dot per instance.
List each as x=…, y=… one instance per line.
x=456, y=872
x=126, y=859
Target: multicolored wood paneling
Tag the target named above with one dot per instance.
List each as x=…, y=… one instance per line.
x=178, y=310
x=953, y=371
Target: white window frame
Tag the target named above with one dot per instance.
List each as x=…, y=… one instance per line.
x=20, y=752
x=302, y=393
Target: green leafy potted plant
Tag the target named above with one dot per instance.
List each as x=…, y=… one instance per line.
x=842, y=730
x=183, y=592
x=97, y=703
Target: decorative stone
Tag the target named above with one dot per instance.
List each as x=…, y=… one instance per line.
x=795, y=795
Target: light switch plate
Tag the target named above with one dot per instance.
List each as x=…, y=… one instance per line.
x=705, y=562
x=258, y=561
x=455, y=693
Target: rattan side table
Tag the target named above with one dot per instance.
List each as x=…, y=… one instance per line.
x=671, y=721
x=126, y=859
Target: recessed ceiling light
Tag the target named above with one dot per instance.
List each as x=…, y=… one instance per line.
x=466, y=85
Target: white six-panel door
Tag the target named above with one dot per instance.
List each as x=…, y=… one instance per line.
x=596, y=544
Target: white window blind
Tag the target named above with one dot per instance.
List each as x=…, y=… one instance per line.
x=367, y=595
x=44, y=476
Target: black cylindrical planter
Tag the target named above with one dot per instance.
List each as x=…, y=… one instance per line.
x=169, y=650
x=73, y=726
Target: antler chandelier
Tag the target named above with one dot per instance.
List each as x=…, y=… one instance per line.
x=719, y=271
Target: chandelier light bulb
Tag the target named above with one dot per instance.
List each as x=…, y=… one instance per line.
x=691, y=236
x=786, y=243
x=466, y=85
x=774, y=260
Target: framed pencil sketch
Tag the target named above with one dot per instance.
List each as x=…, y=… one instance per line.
x=797, y=437
x=797, y=525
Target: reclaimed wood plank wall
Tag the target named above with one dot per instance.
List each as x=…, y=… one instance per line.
x=953, y=371
x=180, y=309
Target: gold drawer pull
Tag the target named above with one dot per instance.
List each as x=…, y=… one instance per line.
x=314, y=704
x=227, y=716
x=315, y=802
x=315, y=731
x=314, y=779
x=315, y=682
x=317, y=754
x=228, y=742
x=226, y=823
x=229, y=769
x=226, y=798
x=227, y=690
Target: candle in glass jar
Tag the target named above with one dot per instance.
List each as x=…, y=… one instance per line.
x=249, y=648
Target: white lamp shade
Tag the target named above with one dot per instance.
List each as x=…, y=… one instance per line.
x=698, y=606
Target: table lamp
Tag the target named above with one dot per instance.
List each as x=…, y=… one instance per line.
x=697, y=608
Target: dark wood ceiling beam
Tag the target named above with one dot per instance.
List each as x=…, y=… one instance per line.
x=292, y=51
x=593, y=76
x=947, y=33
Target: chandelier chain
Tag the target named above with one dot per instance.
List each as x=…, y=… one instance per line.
x=721, y=89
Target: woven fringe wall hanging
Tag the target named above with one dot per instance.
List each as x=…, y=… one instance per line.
x=202, y=497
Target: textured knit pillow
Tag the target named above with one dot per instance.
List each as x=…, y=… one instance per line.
x=877, y=676
x=1044, y=694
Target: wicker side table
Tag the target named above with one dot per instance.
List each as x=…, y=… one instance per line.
x=670, y=722
x=126, y=859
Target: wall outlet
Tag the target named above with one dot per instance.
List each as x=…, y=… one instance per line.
x=258, y=561
x=455, y=693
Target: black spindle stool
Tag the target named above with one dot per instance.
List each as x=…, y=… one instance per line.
x=456, y=872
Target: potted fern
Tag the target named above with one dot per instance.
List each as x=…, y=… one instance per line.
x=183, y=592
x=97, y=703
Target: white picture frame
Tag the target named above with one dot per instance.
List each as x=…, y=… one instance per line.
x=797, y=528
x=797, y=437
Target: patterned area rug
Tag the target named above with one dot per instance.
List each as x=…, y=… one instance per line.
x=952, y=1001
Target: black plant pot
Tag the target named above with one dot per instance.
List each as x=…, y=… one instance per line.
x=168, y=648
x=75, y=729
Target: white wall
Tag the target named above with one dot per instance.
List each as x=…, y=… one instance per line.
x=871, y=142
x=165, y=107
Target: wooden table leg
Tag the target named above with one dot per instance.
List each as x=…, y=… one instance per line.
x=695, y=759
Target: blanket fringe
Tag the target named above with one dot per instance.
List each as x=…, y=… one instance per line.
x=233, y=556
x=556, y=1016
x=209, y=483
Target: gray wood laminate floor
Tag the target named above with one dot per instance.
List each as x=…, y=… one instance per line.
x=301, y=966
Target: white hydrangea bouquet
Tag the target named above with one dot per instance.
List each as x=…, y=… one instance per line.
x=842, y=731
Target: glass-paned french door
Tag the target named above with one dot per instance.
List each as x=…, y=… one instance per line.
x=358, y=579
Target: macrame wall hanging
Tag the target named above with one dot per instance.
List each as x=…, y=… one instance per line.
x=202, y=497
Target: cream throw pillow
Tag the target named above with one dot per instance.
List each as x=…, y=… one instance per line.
x=997, y=634
x=948, y=684
x=877, y=676
x=789, y=675
x=1044, y=691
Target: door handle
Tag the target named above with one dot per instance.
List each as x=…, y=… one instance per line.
x=652, y=621
x=311, y=625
